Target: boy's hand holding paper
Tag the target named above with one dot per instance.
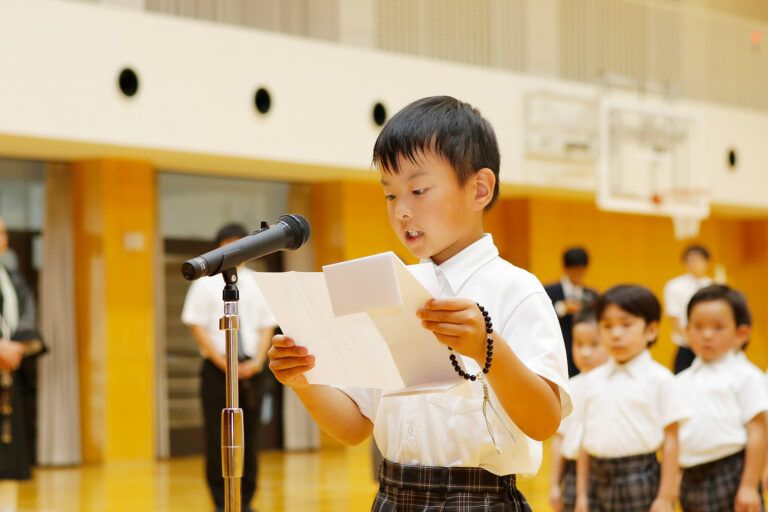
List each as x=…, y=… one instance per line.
x=456, y=323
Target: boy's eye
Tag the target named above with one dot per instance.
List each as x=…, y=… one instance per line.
x=419, y=191
x=389, y=197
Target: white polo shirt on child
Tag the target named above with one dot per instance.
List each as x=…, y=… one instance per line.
x=625, y=407
x=203, y=306
x=722, y=396
x=571, y=428
x=677, y=293
x=448, y=428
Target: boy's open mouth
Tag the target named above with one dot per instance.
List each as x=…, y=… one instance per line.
x=413, y=235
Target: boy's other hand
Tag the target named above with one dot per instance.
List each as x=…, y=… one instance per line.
x=457, y=323
x=662, y=505
x=288, y=362
x=582, y=504
x=556, y=498
x=747, y=500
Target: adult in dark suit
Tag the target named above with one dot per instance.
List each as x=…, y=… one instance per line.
x=20, y=343
x=569, y=296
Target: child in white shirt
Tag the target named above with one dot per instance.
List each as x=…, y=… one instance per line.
x=588, y=353
x=629, y=410
x=438, y=160
x=722, y=445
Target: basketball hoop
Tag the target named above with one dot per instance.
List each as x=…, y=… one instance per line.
x=686, y=226
x=650, y=164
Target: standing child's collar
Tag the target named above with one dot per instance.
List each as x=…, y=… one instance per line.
x=459, y=268
x=634, y=367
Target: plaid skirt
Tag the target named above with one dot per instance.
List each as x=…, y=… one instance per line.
x=455, y=489
x=568, y=485
x=623, y=484
x=712, y=487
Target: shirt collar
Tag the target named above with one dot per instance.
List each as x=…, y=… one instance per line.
x=634, y=367
x=699, y=363
x=459, y=268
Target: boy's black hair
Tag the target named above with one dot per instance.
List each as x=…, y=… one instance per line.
x=696, y=248
x=636, y=300
x=586, y=315
x=232, y=230
x=734, y=298
x=575, y=257
x=445, y=126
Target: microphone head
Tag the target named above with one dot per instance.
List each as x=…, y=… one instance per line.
x=194, y=268
x=298, y=230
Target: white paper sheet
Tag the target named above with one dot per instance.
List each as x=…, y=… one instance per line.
x=359, y=320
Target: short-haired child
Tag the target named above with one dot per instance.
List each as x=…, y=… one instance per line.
x=722, y=444
x=629, y=410
x=588, y=353
x=438, y=161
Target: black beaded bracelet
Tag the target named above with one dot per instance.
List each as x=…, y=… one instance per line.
x=488, y=352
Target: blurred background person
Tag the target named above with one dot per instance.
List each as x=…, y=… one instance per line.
x=203, y=308
x=19, y=339
x=569, y=296
x=677, y=292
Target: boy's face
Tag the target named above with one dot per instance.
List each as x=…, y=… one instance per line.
x=431, y=213
x=712, y=330
x=624, y=335
x=696, y=264
x=588, y=352
x=576, y=274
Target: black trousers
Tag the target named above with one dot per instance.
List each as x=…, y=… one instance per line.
x=213, y=392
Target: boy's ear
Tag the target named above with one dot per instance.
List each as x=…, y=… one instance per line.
x=652, y=331
x=742, y=333
x=485, y=182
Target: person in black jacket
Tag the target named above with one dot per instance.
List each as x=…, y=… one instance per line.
x=20, y=341
x=569, y=296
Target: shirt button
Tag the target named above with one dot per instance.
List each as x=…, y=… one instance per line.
x=410, y=430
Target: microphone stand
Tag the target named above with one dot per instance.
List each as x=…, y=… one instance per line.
x=232, y=416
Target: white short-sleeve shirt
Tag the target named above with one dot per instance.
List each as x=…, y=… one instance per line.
x=203, y=306
x=722, y=396
x=625, y=408
x=448, y=428
x=571, y=428
x=677, y=294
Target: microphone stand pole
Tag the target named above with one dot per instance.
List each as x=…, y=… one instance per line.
x=232, y=416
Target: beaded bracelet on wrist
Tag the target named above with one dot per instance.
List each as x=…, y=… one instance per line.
x=488, y=352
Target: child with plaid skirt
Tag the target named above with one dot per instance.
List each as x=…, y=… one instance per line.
x=459, y=449
x=629, y=409
x=722, y=444
x=588, y=353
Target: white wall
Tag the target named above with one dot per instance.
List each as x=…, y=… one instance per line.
x=59, y=99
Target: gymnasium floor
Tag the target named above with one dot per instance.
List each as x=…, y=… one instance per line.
x=330, y=480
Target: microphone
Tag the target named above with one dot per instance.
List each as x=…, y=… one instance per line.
x=290, y=232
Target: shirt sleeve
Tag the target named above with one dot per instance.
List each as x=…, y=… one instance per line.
x=672, y=405
x=672, y=301
x=366, y=399
x=533, y=332
x=752, y=395
x=197, y=305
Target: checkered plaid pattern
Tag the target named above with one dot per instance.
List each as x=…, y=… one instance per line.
x=568, y=485
x=623, y=484
x=712, y=487
x=438, y=489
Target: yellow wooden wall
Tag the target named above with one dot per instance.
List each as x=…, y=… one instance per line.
x=349, y=221
x=114, y=223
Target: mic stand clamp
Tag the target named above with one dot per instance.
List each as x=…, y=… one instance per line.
x=232, y=416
